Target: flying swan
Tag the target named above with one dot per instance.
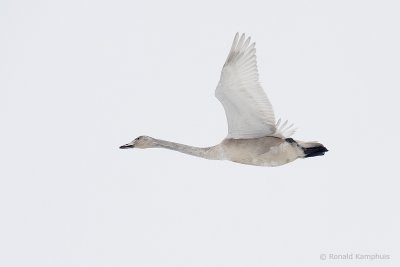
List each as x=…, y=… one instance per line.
x=253, y=136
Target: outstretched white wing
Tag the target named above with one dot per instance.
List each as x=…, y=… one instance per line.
x=247, y=108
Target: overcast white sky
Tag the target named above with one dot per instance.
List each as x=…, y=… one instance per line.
x=80, y=78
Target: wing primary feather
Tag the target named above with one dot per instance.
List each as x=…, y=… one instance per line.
x=231, y=52
x=240, y=44
x=284, y=124
x=246, y=43
x=278, y=123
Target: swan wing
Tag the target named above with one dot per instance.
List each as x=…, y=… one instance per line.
x=248, y=110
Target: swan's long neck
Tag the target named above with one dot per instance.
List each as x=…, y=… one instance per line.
x=213, y=152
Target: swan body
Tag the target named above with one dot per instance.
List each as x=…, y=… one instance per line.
x=254, y=138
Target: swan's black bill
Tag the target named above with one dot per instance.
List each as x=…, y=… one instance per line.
x=126, y=146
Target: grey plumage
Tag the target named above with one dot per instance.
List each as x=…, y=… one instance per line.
x=253, y=136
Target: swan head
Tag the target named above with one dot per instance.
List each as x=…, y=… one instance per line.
x=140, y=142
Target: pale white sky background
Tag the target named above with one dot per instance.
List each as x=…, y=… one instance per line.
x=80, y=78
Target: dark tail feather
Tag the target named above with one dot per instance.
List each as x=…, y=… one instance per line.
x=314, y=151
